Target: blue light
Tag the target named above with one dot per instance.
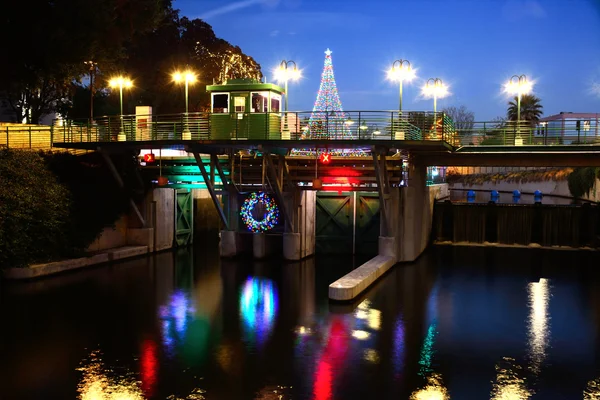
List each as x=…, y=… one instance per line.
x=258, y=308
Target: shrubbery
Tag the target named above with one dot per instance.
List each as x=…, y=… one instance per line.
x=34, y=210
x=581, y=180
x=53, y=205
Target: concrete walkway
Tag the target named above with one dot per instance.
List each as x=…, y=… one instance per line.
x=39, y=270
x=355, y=282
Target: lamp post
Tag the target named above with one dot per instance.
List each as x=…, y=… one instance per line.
x=187, y=77
x=435, y=87
x=285, y=73
x=401, y=71
x=121, y=82
x=92, y=65
x=518, y=84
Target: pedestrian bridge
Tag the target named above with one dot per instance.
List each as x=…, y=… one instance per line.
x=433, y=137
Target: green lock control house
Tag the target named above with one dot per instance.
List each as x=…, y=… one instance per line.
x=245, y=109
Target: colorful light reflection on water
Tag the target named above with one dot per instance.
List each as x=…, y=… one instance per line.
x=176, y=316
x=258, y=308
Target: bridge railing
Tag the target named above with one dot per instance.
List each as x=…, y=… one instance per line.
x=511, y=133
x=293, y=125
x=298, y=126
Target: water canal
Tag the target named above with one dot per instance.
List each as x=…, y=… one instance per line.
x=461, y=323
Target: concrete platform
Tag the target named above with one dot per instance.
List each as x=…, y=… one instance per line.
x=126, y=252
x=40, y=270
x=355, y=282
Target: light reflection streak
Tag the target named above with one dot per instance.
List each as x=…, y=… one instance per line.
x=258, y=308
x=539, y=331
x=509, y=384
x=149, y=367
x=332, y=357
x=398, y=355
x=592, y=390
x=433, y=390
x=176, y=317
x=427, y=351
x=99, y=383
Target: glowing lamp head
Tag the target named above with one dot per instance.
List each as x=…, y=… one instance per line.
x=401, y=71
x=120, y=82
x=435, y=88
x=185, y=76
x=518, y=84
x=287, y=70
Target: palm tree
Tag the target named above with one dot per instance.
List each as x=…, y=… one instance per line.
x=531, y=109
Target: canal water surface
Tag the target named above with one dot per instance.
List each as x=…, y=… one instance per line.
x=461, y=323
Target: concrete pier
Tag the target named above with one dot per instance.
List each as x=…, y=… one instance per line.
x=355, y=282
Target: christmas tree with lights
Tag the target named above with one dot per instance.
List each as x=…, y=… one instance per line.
x=328, y=120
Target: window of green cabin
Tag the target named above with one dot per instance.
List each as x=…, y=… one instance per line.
x=220, y=103
x=275, y=102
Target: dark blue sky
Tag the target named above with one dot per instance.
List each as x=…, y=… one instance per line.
x=474, y=46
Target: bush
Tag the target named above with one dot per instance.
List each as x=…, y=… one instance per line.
x=34, y=210
x=582, y=180
x=54, y=205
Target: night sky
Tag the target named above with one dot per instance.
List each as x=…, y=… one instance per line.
x=474, y=46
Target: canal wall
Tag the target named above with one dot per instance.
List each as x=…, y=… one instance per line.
x=575, y=226
x=548, y=188
x=124, y=240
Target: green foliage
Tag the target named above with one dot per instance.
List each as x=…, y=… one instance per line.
x=34, y=209
x=56, y=37
x=145, y=38
x=554, y=174
x=54, y=205
x=581, y=181
x=531, y=109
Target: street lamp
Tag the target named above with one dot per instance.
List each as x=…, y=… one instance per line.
x=518, y=84
x=186, y=77
x=434, y=87
x=285, y=73
x=401, y=71
x=92, y=65
x=121, y=82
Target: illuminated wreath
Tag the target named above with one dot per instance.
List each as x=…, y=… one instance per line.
x=270, y=217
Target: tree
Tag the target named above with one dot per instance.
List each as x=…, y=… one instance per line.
x=461, y=116
x=531, y=109
x=34, y=210
x=56, y=37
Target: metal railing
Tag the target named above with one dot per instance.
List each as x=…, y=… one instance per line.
x=510, y=133
x=299, y=126
x=367, y=125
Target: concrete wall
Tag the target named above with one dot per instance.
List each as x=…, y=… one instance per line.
x=410, y=216
x=110, y=237
x=206, y=217
x=307, y=216
x=557, y=188
x=302, y=207
x=163, y=220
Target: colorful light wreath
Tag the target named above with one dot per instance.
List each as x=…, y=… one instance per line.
x=270, y=217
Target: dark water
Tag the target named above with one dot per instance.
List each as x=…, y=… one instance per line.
x=461, y=323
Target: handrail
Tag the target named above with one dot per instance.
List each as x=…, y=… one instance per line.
x=366, y=125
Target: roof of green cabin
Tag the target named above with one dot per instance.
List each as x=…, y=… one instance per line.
x=234, y=85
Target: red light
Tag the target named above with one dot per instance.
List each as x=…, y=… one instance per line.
x=325, y=158
x=149, y=157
